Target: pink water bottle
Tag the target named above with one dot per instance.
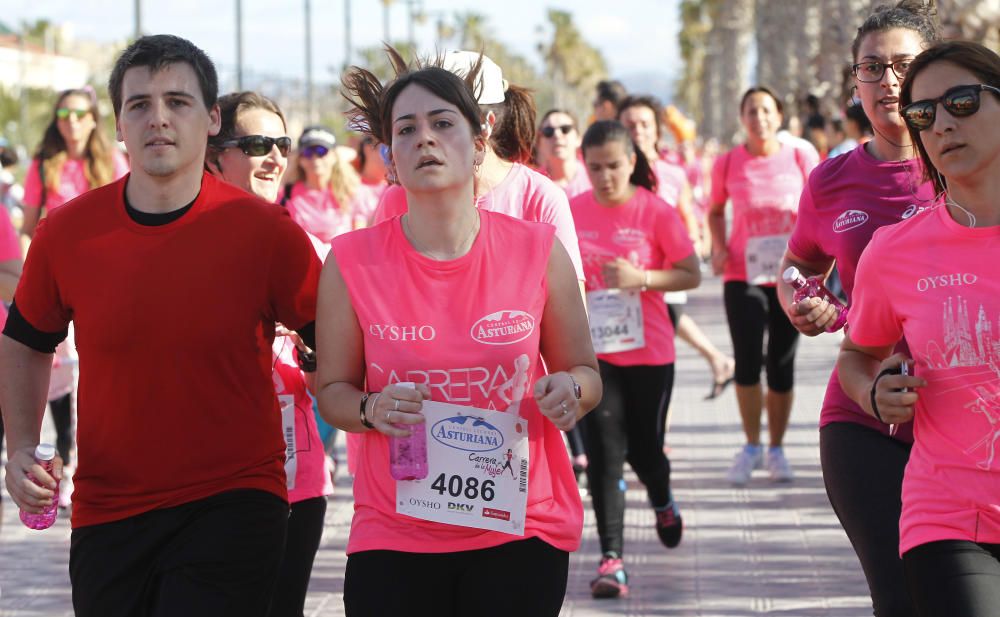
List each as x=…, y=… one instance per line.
x=408, y=455
x=44, y=453
x=814, y=288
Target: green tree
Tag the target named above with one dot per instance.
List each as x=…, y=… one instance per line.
x=573, y=65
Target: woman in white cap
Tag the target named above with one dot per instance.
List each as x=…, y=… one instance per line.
x=503, y=182
x=327, y=197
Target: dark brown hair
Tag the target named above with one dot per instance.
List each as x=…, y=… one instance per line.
x=981, y=61
x=98, y=155
x=230, y=107
x=762, y=90
x=606, y=131
x=514, y=133
x=912, y=15
x=649, y=102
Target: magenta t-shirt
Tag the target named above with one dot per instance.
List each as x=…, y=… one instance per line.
x=933, y=281
x=524, y=194
x=72, y=182
x=10, y=248
x=765, y=194
x=418, y=318
x=579, y=184
x=670, y=181
x=317, y=210
x=846, y=199
x=647, y=232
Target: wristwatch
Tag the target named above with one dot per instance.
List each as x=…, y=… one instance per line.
x=577, y=390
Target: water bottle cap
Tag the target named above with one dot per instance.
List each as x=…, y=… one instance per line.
x=790, y=274
x=45, y=452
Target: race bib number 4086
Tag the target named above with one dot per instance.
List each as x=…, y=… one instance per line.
x=478, y=470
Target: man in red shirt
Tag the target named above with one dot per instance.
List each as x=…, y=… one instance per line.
x=174, y=281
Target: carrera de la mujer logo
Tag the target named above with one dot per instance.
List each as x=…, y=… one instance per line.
x=503, y=328
x=467, y=433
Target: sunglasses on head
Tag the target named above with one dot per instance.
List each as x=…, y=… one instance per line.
x=65, y=112
x=259, y=145
x=550, y=131
x=959, y=101
x=314, y=152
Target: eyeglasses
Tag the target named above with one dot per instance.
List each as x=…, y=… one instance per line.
x=959, y=101
x=869, y=72
x=314, y=152
x=259, y=145
x=550, y=131
x=65, y=112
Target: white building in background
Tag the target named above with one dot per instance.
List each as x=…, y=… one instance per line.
x=30, y=66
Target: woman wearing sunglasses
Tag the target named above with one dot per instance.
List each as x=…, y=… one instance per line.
x=932, y=280
x=846, y=200
x=74, y=157
x=763, y=178
x=327, y=198
x=504, y=183
x=251, y=152
x=557, y=149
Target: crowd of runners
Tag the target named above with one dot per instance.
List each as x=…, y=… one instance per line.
x=219, y=300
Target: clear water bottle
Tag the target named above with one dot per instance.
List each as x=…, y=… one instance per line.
x=44, y=454
x=408, y=455
x=814, y=288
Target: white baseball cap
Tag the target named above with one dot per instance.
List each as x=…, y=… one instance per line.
x=490, y=83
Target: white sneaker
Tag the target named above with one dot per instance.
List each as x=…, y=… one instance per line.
x=743, y=465
x=778, y=467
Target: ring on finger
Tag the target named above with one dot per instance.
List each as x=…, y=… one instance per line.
x=564, y=407
x=396, y=406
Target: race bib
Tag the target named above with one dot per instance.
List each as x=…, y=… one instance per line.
x=763, y=258
x=478, y=470
x=615, y=320
x=287, y=402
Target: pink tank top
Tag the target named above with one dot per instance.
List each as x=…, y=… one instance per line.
x=436, y=323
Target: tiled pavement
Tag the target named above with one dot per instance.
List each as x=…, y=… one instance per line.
x=761, y=550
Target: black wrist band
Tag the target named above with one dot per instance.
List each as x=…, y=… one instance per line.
x=306, y=360
x=888, y=371
x=364, y=417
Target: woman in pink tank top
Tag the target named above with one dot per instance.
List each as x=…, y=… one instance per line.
x=932, y=280
x=845, y=201
x=439, y=319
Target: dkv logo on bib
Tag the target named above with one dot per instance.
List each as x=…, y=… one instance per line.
x=467, y=433
x=850, y=220
x=503, y=328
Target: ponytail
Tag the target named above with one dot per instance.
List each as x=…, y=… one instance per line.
x=514, y=133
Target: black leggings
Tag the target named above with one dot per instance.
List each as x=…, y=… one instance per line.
x=305, y=529
x=863, y=474
x=752, y=309
x=954, y=578
x=62, y=418
x=627, y=425
x=524, y=577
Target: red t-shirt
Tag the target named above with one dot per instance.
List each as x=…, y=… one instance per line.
x=174, y=325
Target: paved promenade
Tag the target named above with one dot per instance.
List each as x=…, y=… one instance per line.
x=760, y=550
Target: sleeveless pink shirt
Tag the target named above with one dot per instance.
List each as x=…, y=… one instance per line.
x=441, y=323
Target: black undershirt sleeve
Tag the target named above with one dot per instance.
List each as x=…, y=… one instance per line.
x=308, y=334
x=20, y=330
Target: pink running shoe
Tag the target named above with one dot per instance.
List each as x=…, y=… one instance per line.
x=611, y=581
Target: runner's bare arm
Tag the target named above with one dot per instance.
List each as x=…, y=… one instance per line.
x=717, y=230
x=858, y=367
x=23, y=393
x=812, y=316
x=340, y=370
x=566, y=347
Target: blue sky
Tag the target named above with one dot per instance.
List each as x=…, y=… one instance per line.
x=636, y=36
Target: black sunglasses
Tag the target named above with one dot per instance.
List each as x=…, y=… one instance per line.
x=959, y=101
x=550, y=131
x=258, y=145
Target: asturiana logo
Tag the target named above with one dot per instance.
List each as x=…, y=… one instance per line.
x=503, y=328
x=849, y=220
x=467, y=433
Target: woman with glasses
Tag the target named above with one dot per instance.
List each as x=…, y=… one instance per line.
x=641, y=116
x=442, y=316
x=251, y=152
x=74, y=157
x=846, y=200
x=763, y=178
x=327, y=197
x=932, y=281
x=557, y=146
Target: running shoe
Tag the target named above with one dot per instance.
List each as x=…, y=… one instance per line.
x=669, y=525
x=778, y=467
x=746, y=460
x=611, y=581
